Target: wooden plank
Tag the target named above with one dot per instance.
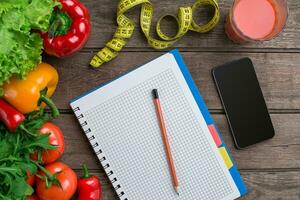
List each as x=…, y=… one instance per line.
x=278, y=73
x=272, y=185
x=280, y=152
x=103, y=16
x=262, y=185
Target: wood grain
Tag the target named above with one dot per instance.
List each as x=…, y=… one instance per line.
x=262, y=185
x=280, y=152
x=272, y=185
x=271, y=170
x=103, y=14
x=278, y=74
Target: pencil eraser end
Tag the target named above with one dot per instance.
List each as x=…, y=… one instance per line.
x=155, y=93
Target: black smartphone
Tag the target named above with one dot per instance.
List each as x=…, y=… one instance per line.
x=243, y=102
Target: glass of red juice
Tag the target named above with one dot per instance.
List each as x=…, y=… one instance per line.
x=256, y=20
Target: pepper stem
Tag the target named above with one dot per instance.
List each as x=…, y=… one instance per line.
x=86, y=173
x=50, y=103
x=60, y=23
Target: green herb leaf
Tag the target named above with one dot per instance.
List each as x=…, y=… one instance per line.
x=15, y=151
x=20, y=188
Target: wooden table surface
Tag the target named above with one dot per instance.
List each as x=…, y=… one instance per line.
x=271, y=170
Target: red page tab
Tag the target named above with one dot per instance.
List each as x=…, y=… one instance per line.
x=215, y=135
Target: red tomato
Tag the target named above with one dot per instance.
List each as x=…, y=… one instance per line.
x=30, y=178
x=56, y=138
x=67, y=178
x=32, y=197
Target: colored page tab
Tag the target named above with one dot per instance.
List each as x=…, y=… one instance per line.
x=225, y=157
x=214, y=133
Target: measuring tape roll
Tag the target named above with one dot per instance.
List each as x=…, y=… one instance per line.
x=126, y=27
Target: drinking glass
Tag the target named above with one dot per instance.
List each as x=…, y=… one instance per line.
x=256, y=20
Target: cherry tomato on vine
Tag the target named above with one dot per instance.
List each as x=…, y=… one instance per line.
x=55, y=138
x=30, y=178
x=67, y=182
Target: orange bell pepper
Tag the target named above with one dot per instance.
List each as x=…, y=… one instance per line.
x=29, y=94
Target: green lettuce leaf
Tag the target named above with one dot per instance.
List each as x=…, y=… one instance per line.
x=20, y=44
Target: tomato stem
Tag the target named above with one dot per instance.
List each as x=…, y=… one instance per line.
x=48, y=178
x=48, y=174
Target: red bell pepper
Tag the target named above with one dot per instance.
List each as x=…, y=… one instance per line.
x=89, y=187
x=69, y=30
x=10, y=116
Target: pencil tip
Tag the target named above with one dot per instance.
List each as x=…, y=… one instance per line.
x=177, y=190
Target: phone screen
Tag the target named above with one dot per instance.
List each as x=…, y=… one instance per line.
x=243, y=102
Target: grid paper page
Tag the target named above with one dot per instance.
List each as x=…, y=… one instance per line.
x=126, y=127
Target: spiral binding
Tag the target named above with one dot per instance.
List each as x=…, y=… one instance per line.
x=99, y=153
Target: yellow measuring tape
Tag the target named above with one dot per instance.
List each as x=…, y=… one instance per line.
x=126, y=27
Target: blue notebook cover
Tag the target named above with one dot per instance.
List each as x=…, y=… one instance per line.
x=209, y=121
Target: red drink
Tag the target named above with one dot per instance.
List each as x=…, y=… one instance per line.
x=256, y=20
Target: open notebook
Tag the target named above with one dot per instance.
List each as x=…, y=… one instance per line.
x=119, y=120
